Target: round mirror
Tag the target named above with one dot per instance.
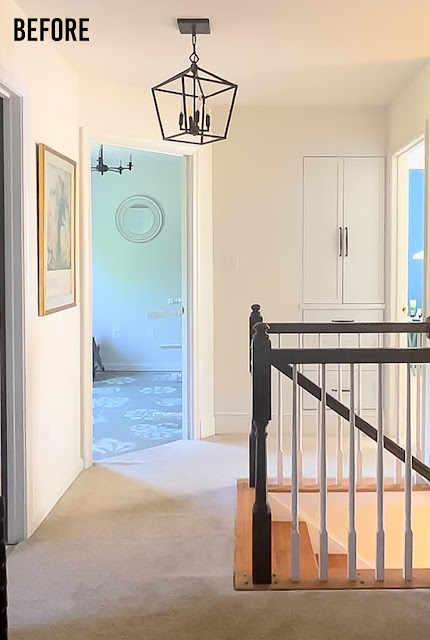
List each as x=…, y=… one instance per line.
x=139, y=218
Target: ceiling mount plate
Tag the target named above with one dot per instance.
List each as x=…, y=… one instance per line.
x=189, y=26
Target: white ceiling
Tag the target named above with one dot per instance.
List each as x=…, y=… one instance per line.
x=280, y=52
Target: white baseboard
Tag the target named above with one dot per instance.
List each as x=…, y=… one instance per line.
x=114, y=366
x=232, y=423
x=241, y=422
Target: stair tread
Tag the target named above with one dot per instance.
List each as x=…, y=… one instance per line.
x=336, y=561
x=281, y=551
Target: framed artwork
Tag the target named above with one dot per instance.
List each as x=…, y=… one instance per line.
x=57, y=230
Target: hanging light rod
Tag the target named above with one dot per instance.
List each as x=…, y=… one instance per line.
x=191, y=94
x=103, y=168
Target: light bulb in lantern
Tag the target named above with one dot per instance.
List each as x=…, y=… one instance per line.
x=208, y=119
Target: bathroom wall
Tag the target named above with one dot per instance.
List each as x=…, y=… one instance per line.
x=137, y=286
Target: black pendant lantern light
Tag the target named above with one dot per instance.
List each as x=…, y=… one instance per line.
x=184, y=102
x=103, y=168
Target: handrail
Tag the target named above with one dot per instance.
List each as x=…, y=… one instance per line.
x=347, y=326
x=360, y=355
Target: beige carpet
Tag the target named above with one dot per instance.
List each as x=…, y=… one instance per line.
x=142, y=548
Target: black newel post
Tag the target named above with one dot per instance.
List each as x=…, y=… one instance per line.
x=3, y=577
x=261, y=411
x=254, y=318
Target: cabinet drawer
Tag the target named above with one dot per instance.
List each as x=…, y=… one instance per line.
x=341, y=313
x=333, y=340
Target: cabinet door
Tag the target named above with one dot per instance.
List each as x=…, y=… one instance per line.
x=322, y=264
x=363, y=207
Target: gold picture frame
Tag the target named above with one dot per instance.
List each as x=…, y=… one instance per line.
x=56, y=185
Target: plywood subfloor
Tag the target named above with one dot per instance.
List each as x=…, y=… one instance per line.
x=281, y=559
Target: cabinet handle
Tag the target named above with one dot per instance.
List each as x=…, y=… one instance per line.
x=340, y=242
x=346, y=242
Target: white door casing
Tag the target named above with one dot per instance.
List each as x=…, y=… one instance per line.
x=198, y=304
x=426, y=293
x=16, y=514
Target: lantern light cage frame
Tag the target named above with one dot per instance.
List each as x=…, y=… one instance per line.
x=196, y=87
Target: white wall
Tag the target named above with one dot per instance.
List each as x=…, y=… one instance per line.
x=407, y=114
x=257, y=210
x=131, y=280
x=123, y=109
x=50, y=92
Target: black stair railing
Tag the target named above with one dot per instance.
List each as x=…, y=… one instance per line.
x=263, y=357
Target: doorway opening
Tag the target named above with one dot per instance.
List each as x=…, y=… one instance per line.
x=410, y=224
x=138, y=300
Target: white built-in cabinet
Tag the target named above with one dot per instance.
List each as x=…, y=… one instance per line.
x=343, y=259
x=343, y=230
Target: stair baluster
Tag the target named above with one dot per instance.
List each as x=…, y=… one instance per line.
x=380, y=534
x=352, y=535
x=323, y=536
x=359, y=467
x=418, y=423
x=317, y=466
x=280, y=434
x=408, y=535
x=399, y=465
x=339, y=451
x=295, y=533
x=300, y=421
